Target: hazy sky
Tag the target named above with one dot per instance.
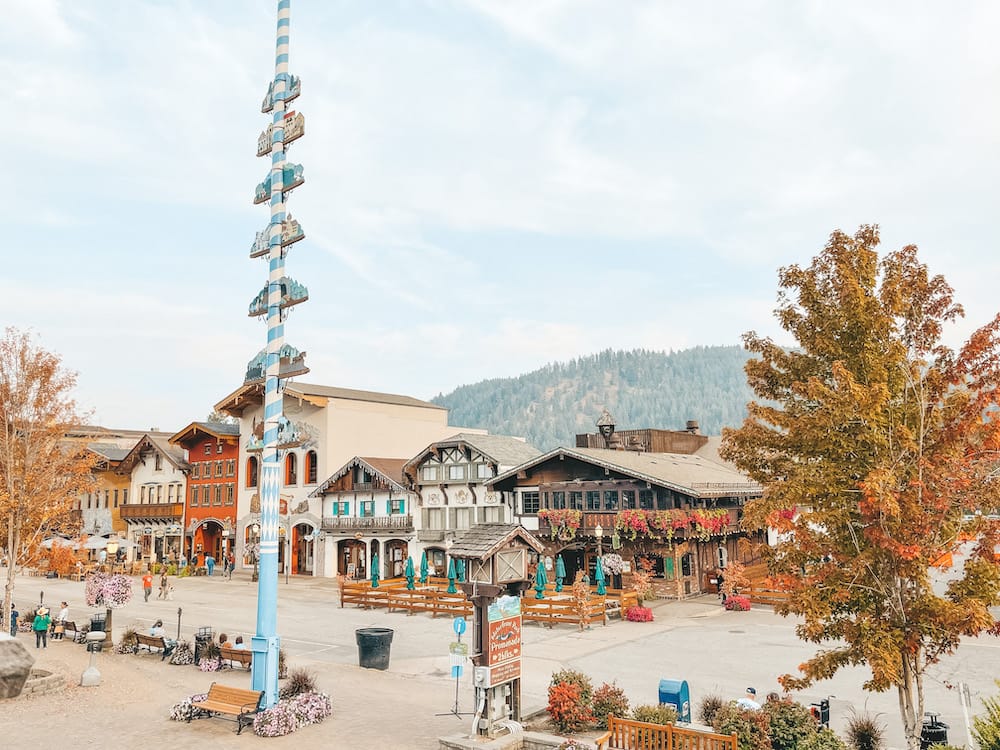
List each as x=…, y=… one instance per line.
x=490, y=184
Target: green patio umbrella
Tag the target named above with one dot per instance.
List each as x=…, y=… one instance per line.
x=560, y=572
x=423, y=567
x=408, y=572
x=599, y=577
x=540, y=580
x=451, y=576
x=375, y=571
x=460, y=569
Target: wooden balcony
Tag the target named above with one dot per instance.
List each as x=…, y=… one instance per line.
x=590, y=520
x=372, y=524
x=141, y=512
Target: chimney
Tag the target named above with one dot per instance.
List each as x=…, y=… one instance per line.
x=692, y=426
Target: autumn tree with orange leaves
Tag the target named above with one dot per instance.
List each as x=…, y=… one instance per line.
x=877, y=447
x=41, y=475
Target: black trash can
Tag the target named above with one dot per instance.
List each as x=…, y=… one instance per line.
x=97, y=622
x=933, y=732
x=373, y=647
x=202, y=638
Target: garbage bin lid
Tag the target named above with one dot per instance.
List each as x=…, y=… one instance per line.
x=96, y=635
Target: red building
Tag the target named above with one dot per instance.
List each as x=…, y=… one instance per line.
x=213, y=451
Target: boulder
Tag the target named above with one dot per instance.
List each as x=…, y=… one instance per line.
x=15, y=666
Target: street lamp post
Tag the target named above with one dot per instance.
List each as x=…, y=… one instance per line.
x=256, y=550
x=112, y=550
x=599, y=533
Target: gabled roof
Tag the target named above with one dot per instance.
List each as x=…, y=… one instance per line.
x=503, y=450
x=253, y=393
x=486, y=539
x=173, y=455
x=217, y=430
x=691, y=475
x=390, y=469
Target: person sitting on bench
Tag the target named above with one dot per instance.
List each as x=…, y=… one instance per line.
x=157, y=631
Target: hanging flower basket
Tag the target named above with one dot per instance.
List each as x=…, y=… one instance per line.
x=708, y=523
x=563, y=523
x=612, y=563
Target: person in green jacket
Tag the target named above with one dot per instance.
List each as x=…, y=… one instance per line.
x=41, y=627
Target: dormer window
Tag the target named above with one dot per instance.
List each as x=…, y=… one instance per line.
x=158, y=462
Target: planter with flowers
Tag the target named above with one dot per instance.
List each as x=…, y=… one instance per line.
x=737, y=603
x=631, y=523
x=563, y=522
x=639, y=613
x=108, y=591
x=707, y=523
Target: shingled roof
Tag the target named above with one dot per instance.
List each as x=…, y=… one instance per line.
x=484, y=540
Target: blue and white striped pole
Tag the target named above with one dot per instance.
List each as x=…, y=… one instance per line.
x=266, y=642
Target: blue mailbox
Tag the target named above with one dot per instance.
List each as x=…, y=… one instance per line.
x=675, y=693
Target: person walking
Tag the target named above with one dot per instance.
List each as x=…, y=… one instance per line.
x=59, y=626
x=210, y=564
x=163, y=585
x=147, y=585
x=14, y=614
x=231, y=565
x=41, y=627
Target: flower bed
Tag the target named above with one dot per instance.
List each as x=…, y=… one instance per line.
x=284, y=717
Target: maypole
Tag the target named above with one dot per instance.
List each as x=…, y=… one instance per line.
x=279, y=360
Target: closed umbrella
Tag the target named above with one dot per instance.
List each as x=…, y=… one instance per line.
x=408, y=572
x=423, y=567
x=560, y=572
x=460, y=569
x=451, y=576
x=375, y=571
x=540, y=580
x=599, y=577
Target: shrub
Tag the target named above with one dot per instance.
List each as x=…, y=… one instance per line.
x=750, y=725
x=209, y=665
x=185, y=572
x=790, y=723
x=639, y=614
x=566, y=707
x=709, y=707
x=609, y=700
x=660, y=714
x=574, y=677
x=824, y=739
x=986, y=728
x=299, y=681
x=737, y=603
x=864, y=732
x=172, y=569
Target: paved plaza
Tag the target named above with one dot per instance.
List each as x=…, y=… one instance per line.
x=716, y=651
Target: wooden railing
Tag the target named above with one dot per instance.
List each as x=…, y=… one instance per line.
x=433, y=597
x=139, y=511
x=638, y=735
x=356, y=523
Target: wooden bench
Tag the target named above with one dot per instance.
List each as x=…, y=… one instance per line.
x=69, y=627
x=149, y=642
x=231, y=701
x=235, y=655
x=625, y=734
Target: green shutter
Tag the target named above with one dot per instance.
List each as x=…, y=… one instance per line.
x=402, y=505
x=668, y=567
x=388, y=507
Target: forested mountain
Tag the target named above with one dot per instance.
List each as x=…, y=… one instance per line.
x=640, y=388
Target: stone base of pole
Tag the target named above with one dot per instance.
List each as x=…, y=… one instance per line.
x=91, y=677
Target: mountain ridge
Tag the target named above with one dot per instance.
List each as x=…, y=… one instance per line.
x=640, y=388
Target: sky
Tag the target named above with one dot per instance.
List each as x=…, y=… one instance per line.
x=491, y=185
